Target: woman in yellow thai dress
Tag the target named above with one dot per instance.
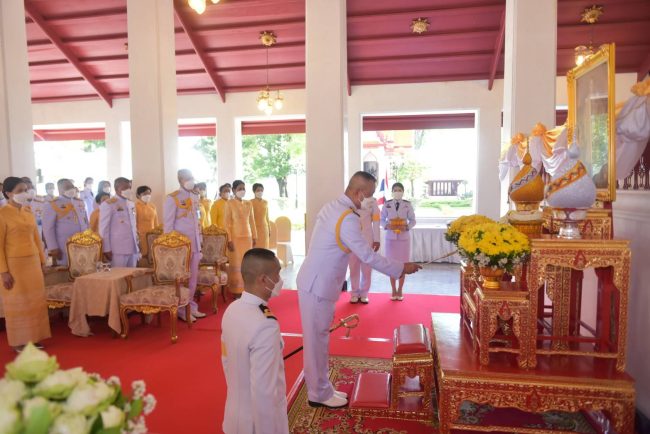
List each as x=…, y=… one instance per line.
x=21, y=263
x=218, y=209
x=240, y=225
x=261, y=213
x=146, y=217
x=94, y=216
x=205, y=204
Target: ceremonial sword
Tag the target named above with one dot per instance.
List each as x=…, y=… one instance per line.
x=349, y=322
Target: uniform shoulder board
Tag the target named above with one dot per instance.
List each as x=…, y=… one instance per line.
x=267, y=312
x=174, y=193
x=404, y=200
x=112, y=200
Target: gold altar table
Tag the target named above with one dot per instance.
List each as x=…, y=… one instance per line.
x=550, y=268
x=556, y=383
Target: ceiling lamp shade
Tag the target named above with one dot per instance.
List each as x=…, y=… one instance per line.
x=199, y=5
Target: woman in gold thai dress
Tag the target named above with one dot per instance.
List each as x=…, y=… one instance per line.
x=94, y=216
x=21, y=267
x=205, y=204
x=146, y=216
x=261, y=213
x=218, y=209
x=240, y=225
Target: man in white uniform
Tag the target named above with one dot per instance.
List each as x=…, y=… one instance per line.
x=251, y=352
x=117, y=227
x=337, y=233
x=361, y=273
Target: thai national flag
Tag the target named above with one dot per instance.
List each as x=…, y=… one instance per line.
x=382, y=191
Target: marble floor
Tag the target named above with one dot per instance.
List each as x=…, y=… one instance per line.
x=433, y=279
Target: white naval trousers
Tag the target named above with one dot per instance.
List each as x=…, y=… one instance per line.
x=316, y=315
x=360, y=277
x=120, y=260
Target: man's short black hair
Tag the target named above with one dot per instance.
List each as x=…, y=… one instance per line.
x=256, y=261
x=256, y=186
x=120, y=180
x=365, y=175
x=142, y=189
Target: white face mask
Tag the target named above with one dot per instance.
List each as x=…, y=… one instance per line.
x=397, y=195
x=106, y=190
x=70, y=193
x=50, y=191
x=188, y=185
x=367, y=203
x=21, y=198
x=259, y=194
x=240, y=193
x=146, y=198
x=31, y=193
x=277, y=287
x=126, y=193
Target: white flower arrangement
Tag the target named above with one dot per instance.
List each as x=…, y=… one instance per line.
x=36, y=397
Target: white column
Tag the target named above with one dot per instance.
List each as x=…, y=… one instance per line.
x=530, y=66
x=113, y=149
x=16, y=129
x=487, y=186
x=355, y=144
x=152, y=82
x=228, y=156
x=326, y=74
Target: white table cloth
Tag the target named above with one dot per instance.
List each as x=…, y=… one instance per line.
x=428, y=243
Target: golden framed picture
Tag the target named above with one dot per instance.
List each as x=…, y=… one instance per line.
x=591, y=118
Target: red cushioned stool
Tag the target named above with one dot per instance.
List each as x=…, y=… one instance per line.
x=412, y=379
x=372, y=390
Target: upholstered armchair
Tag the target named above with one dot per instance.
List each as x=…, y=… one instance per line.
x=84, y=251
x=212, y=276
x=150, y=237
x=168, y=291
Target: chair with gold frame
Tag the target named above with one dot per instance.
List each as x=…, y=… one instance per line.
x=84, y=251
x=171, y=266
x=150, y=237
x=212, y=274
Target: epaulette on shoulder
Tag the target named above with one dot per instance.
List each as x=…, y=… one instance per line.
x=390, y=200
x=267, y=312
x=407, y=201
x=174, y=193
x=112, y=200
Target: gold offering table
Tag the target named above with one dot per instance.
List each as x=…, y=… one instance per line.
x=555, y=269
x=557, y=383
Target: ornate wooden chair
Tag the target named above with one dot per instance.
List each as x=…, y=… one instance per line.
x=84, y=251
x=212, y=275
x=171, y=265
x=150, y=237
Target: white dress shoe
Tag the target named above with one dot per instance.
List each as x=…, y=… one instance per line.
x=341, y=394
x=364, y=300
x=394, y=297
x=354, y=300
x=183, y=319
x=197, y=314
x=400, y=298
x=334, y=402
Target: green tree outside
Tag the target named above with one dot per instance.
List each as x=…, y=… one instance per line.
x=407, y=169
x=273, y=156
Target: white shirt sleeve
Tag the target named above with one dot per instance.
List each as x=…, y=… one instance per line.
x=268, y=407
x=351, y=237
x=49, y=227
x=105, y=213
x=169, y=214
x=384, y=216
x=410, y=215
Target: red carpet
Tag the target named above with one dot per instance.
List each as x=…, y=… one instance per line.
x=187, y=379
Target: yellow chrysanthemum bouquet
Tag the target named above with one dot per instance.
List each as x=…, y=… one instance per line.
x=461, y=224
x=494, y=245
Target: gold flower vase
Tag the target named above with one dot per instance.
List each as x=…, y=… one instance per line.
x=491, y=277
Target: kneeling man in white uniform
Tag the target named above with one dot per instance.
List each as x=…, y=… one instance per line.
x=251, y=352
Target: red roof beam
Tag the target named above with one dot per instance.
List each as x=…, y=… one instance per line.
x=199, y=49
x=498, y=47
x=33, y=13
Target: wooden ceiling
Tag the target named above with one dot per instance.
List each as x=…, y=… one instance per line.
x=78, y=49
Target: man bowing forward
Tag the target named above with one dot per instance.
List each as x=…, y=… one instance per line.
x=337, y=233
